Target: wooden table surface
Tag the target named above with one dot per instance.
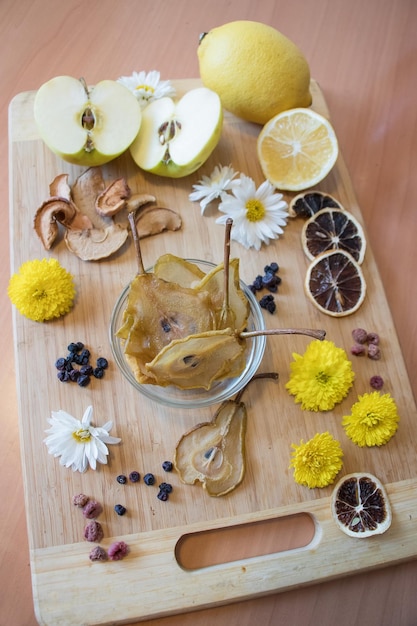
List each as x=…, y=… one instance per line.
x=363, y=55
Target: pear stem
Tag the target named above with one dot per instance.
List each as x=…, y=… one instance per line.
x=317, y=334
x=139, y=260
x=273, y=375
x=226, y=257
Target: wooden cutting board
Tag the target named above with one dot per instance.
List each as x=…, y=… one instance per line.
x=161, y=575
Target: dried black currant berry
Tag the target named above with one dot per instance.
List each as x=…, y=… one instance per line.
x=149, y=479
x=98, y=372
x=60, y=363
x=102, y=362
x=120, y=509
x=83, y=380
x=165, y=487
x=74, y=375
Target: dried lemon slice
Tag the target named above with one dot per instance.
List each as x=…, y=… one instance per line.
x=333, y=229
x=360, y=506
x=297, y=149
x=309, y=203
x=335, y=284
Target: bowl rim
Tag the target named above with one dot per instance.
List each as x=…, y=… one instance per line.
x=183, y=399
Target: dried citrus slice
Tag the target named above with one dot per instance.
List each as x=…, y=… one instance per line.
x=297, y=149
x=333, y=229
x=308, y=203
x=360, y=506
x=335, y=283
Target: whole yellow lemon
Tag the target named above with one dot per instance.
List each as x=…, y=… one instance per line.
x=257, y=71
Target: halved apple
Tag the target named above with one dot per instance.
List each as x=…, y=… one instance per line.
x=176, y=138
x=86, y=126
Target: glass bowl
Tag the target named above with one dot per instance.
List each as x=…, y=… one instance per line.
x=193, y=398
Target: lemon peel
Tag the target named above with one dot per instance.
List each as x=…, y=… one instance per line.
x=256, y=70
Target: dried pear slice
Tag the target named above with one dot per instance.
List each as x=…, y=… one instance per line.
x=159, y=312
x=177, y=270
x=213, y=453
x=197, y=360
x=213, y=283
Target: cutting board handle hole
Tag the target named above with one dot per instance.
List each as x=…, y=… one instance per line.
x=233, y=543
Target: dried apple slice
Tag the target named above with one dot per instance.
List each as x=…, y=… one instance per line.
x=96, y=243
x=213, y=453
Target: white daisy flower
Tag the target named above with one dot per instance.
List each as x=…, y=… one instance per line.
x=78, y=443
x=147, y=86
x=258, y=214
x=211, y=187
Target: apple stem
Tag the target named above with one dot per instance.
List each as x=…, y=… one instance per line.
x=131, y=218
x=84, y=84
x=317, y=334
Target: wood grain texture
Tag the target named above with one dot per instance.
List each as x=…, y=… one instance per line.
x=364, y=58
x=149, y=431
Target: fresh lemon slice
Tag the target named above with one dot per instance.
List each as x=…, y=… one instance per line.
x=335, y=284
x=333, y=229
x=360, y=506
x=297, y=149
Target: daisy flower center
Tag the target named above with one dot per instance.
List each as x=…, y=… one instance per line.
x=147, y=88
x=255, y=210
x=82, y=435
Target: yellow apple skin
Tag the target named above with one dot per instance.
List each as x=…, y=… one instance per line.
x=58, y=110
x=171, y=169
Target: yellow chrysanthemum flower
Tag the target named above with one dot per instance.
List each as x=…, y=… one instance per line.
x=317, y=462
x=321, y=377
x=42, y=290
x=373, y=421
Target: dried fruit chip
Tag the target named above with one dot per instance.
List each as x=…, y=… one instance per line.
x=308, y=203
x=333, y=229
x=360, y=506
x=335, y=283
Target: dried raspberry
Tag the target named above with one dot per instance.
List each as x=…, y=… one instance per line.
x=93, y=532
x=358, y=349
x=373, y=338
x=80, y=500
x=377, y=382
x=360, y=335
x=98, y=554
x=118, y=550
x=92, y=509
x=374, y=352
